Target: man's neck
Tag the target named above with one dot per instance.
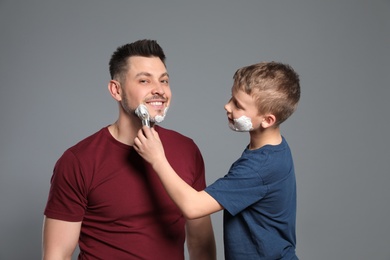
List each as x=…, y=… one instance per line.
x=125, y=130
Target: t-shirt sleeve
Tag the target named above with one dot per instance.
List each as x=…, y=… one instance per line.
x=67, y=196
x=199, y=172
x=240, y=188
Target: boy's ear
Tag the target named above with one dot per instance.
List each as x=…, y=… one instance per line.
x=268, y=121
x=114, y=87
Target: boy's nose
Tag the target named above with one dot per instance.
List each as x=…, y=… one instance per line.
x=227, y=106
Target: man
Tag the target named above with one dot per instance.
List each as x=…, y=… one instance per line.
x=101, y=194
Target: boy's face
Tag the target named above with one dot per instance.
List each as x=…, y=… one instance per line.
x=242, y=112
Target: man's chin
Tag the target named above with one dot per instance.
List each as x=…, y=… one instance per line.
x=159, y=117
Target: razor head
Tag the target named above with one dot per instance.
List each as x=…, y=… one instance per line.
x=143, y=114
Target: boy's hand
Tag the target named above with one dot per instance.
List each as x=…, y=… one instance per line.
x=149, y=146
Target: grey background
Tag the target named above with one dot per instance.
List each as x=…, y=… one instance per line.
x=54, y=73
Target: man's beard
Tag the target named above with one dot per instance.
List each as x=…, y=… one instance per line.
x=125, y=105
x=131, y=112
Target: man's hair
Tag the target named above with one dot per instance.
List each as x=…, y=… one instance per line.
x=275, y=86
x=145, y=48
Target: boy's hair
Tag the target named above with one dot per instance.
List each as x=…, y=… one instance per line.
x=274, y=85
x=145, y=48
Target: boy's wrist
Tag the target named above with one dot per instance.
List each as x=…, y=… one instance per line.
x=160, y=163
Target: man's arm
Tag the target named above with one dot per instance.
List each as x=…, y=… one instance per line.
x=200, y=239
x=194, y=204
x=60, y=239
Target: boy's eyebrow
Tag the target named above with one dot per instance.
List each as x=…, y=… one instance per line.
x=235, y=100
x=238, y=103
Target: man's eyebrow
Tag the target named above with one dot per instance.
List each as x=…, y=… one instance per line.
x=147, y=74
x=164, y=75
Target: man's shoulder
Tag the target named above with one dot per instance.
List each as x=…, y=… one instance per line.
x=173, y=140
x=172, y=134
x=90, y=142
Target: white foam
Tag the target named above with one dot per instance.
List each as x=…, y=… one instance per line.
x=242, y=124
x=159, y=118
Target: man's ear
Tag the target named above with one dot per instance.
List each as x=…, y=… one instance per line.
x=114, y=87
x=268, y=121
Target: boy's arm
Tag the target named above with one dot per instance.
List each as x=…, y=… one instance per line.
x=60, y=238
x=200, y=239
x=194, y=204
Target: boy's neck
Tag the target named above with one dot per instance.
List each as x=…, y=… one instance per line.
x=268, y=136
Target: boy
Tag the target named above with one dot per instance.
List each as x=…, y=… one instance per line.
x=258, y=194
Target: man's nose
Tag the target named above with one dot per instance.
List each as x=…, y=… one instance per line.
x=158, y=89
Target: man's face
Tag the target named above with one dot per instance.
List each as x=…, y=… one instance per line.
x=146, y=82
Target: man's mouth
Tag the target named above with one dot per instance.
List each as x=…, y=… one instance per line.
x=159, y=109
x=157, y=105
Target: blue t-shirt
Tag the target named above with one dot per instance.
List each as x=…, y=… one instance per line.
x=259, y=199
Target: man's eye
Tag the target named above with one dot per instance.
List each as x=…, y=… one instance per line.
x=165, y=81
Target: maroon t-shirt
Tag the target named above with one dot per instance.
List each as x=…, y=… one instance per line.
x=124, y=209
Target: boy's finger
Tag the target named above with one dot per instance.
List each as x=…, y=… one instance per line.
x=155, y=134
x=145, y=131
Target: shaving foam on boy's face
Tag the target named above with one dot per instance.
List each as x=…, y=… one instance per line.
x=241, y=124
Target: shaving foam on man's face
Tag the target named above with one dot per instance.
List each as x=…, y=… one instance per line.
x=241, y=124
x=158, y=107
x=159, y=118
